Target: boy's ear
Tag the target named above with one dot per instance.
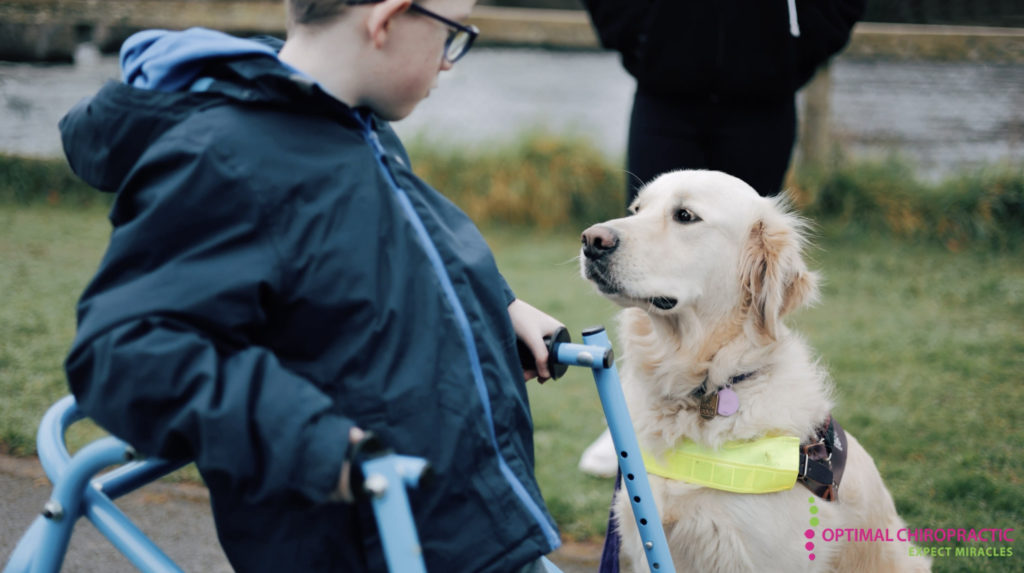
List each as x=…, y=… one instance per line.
x=379, y=23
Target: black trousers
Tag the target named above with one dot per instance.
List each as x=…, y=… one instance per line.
x=751, y=141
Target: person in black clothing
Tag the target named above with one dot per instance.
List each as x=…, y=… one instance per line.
x=716, y=81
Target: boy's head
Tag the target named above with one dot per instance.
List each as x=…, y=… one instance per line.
x=381, y=54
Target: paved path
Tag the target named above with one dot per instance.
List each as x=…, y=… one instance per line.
x=175, y=516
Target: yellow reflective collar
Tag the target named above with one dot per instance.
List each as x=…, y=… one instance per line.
x=760, y=466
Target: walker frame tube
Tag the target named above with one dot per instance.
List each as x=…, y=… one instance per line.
x=77, y=493
x=385, y=480
x=596, y=354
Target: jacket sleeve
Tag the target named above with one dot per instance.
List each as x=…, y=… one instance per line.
x=167, y=355
x=618, y=23
x=507, y=292
x=825, y=29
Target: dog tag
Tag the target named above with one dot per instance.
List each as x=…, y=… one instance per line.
x=728, y=402
x=709, y=406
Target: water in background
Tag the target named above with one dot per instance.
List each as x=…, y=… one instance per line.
x=942, y=116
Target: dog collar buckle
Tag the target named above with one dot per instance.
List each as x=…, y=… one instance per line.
x=721, y=402
x=709, y=406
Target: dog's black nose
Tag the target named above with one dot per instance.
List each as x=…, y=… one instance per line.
x=598, y=241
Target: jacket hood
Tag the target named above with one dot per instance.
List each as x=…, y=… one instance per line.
x=167, y=76
x=171, y=61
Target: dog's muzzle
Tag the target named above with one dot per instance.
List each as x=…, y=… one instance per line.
x=599, y=242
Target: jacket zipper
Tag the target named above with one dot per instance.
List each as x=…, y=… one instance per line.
x=467, y=334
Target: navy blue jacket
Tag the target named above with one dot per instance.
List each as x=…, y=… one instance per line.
x=276, y=273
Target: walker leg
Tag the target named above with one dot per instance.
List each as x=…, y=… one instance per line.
x=596, y=354
x=386, y=478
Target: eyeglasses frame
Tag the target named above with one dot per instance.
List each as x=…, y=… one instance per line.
x=471, y=31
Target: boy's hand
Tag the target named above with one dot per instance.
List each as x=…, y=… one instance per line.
x=531, y=326
x=345, y=491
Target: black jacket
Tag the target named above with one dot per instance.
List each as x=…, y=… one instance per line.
x=276, y=274
x=753, y=50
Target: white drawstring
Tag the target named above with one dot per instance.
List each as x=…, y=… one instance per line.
x=794, y=25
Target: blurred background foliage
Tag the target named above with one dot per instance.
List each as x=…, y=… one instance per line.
x=550, y=181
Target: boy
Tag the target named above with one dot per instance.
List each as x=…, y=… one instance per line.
x=278, y=281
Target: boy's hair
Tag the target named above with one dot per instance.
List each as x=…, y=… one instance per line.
x=313, y=11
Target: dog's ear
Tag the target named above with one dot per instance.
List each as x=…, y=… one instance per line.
x=775, y=280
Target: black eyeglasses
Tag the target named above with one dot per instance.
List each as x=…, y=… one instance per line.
x=460, y=36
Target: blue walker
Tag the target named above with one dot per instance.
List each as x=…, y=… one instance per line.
x=79, y=492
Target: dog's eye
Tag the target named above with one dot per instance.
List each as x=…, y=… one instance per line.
x=685, y=216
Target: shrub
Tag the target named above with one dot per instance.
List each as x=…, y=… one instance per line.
x=540, y=180
x=984, y=207
x=25, y=180
x=550, y=181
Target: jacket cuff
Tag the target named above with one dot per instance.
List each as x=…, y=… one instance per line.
x=319, y=464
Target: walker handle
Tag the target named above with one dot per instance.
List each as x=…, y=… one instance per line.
x=556, y=368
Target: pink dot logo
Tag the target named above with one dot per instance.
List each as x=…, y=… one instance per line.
x=809, y=534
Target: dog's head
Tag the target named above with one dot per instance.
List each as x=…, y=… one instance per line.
x=702, y=243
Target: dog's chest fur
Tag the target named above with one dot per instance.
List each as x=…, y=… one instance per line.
x=786, y=393
x=710, y=530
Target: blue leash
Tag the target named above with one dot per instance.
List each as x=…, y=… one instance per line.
x=610, y=550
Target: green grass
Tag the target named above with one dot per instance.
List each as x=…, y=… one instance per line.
x=47, y=256
x=926, y=347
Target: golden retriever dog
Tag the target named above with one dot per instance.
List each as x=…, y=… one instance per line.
x=705, y=270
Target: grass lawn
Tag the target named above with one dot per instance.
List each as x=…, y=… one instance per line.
x=47, y=256
x=926, y=348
